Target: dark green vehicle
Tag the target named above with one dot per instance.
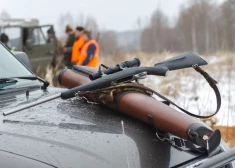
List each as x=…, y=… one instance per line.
x=30, y=37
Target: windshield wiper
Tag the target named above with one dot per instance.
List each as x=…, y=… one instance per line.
x=4, y=82
x=216, y=161
x=31, y=77
x=7, y=81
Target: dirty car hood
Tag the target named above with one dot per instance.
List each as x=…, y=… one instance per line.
x=72, y=133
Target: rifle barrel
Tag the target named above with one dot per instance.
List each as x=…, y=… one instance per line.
x=40, y=101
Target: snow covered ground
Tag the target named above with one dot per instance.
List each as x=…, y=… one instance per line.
x=188, y=88
x=191, y=91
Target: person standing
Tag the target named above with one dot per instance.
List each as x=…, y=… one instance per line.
x=51, y=36
x=89, y=55
x=68, y=46
x=77, y=45
x=5, y=40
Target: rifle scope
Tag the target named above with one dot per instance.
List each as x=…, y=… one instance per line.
x=110, y=70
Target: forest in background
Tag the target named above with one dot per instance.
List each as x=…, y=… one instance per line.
x=202, y=26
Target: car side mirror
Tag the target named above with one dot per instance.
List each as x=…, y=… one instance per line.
x=23, y=58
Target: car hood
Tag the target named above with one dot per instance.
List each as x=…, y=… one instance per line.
x=72, y=133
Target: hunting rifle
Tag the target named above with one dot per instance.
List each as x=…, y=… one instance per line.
x=159, y=115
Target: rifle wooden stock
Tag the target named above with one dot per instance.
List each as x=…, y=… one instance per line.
x=149, y=110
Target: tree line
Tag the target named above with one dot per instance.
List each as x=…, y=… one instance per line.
x=202, y=26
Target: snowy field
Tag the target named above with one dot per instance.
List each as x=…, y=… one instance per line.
x=189, y=89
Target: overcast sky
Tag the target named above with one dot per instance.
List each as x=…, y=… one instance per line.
x=117, y=15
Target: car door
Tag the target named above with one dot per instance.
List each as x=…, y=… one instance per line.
x=40, y=52
x=14, y=35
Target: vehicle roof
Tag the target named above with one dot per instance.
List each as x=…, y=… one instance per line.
x=73, y=133
x=19, y=22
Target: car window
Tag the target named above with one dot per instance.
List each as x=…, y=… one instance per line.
x=10, y=66
x=48, y=31
x=37, y=37
x=14, y=35
x=45, y=29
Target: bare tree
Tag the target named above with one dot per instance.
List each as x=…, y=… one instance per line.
x=69, y=19
x=4, y=15
x=194, y=33
x=65, y=19
x=154, y=36
x=228, y=16
x=80, y=20
x=91, y=24
x=108, y=43
x=196, y=24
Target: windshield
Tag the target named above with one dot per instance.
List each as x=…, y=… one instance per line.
x=11, y=67
x=14, y=34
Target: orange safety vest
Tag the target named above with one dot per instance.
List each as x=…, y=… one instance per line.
x=95, y=60
x=76, y=50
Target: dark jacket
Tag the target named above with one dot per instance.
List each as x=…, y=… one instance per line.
x=90, y=54
x=68, y=53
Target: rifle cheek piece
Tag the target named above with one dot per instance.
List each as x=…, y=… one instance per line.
x=203, y=136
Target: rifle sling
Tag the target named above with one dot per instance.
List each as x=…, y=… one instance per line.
x=212, y=84
x=209, y=79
